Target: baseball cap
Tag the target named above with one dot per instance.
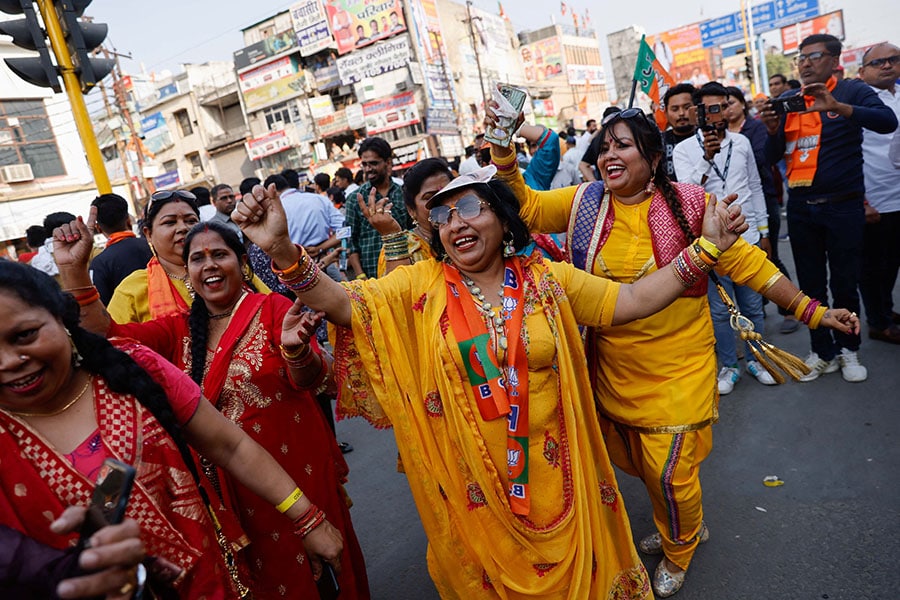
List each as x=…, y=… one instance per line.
x=482, y=175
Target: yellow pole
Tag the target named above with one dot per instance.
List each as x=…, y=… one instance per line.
x=748, y=44
x=76, y=99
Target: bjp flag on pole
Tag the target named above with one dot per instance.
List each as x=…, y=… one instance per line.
x=653, y=80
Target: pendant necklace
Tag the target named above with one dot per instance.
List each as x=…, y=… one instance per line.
x=494, y=322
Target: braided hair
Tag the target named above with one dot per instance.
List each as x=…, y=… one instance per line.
x=649, y=144
x=198, y=321
x=99, y=357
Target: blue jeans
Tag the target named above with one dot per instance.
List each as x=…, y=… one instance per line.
x=827, y=241
x=749, y=302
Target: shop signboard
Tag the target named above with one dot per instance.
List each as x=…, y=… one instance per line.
x=375, y=60
x=394, y=112
x=311, y=25
x=409, y=154
x=271, y=83
x=271, y=143
x=267, y=48
x=332, y=124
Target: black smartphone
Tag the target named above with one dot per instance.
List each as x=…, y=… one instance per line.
x=789, y=104
x=328, y=583
x=702, y=124
x=110, y=498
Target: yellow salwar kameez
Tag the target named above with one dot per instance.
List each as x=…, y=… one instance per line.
x=399, y=365
x=654, y=378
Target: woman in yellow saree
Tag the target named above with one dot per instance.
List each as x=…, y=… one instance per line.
x=489, y=399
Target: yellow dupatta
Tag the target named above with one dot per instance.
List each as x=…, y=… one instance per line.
x=399, y=366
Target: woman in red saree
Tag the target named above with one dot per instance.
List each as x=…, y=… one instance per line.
x=69, y=399
x=238, y=346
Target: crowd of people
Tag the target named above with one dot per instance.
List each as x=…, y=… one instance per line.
x=522, y=319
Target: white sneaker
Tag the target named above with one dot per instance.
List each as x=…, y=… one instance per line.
x=818, y=367
x=728, y=376
x=851, y=370
x=758, y=371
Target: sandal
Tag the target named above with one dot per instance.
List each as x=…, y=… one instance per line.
x=652, y=544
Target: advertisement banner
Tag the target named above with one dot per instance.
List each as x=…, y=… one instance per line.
x=375, y=60
x=356, y=117
x=585, y=74
x=320, y=106
x=271, y=83
x=425, y=27
x=167, y=179
x=156, y=133
x=360, y=23
x=260, y=51
x=333, y=124
x=325, y=72
x=792, y=35
x=681, y=53
x=385, y=114
x=408, y=155
x=311, y=25
x=441, y=121
x=272, y=143
x=542, y=59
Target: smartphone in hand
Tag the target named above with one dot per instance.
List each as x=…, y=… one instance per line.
x=110, y=498
x=328, y=583
x=788, y=105
x=501, y=134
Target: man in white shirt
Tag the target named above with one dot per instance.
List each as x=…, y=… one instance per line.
x=881, y=242
x=723, y=163
x=471, y=163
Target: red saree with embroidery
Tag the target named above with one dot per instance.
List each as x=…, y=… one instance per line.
x=37, y=483
x=247, y=380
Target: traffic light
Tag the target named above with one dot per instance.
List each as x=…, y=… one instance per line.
x=82, y=38
x=27, y=33
x=748, y=61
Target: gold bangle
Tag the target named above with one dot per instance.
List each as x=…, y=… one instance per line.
x=292, y=499
x=361, y=277
x=817, y=316
x=288, y=355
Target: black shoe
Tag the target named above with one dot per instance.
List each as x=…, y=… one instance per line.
x=890, y=335
x=345, y=447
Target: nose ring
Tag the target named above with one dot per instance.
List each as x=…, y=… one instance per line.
x=23, y=357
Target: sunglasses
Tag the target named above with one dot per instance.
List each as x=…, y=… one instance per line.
x=166, y=194
x=628, y=113
x=467, y=207
x=880, y=62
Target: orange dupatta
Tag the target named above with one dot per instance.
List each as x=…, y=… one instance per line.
x=162, y=297
x=802, y=137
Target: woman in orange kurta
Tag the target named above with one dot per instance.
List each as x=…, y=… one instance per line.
x=655, y=378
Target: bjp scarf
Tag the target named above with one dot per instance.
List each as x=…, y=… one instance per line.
x=803, y=136
x=118, y=237
x=163, y=298
x=497, y=395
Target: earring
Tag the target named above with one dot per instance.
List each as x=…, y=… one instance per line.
x=76, y=355
x=509, y=247
x=650, y=188
x=189, y=286
x=415, y=223
x=248, y=274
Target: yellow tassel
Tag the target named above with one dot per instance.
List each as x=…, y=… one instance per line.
x=764, y=361
x=794, y=362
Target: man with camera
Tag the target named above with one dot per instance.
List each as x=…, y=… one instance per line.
x=723, y=163
x=821, y=142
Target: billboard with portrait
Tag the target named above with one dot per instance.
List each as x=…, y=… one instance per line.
x=359, y=23
x=681, y=53
x=542, y=60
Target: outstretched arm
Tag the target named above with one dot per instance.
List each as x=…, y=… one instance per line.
x=261, y=217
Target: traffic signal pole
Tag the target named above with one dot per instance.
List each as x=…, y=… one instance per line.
x=73, y=91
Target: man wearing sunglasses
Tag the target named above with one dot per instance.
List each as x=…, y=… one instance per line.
x=822, y=148
x=881, y=242
x=723, y=163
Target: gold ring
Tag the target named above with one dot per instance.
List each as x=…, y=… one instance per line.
x=126, y=589
x=853, y=314
x=379, y=210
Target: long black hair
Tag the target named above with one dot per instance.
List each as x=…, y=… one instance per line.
x=505, y=205
x=416, y=176
x=99, y=357
x=649, y=144
x=198, y=321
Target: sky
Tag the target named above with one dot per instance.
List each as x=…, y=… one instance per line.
x=166, y=33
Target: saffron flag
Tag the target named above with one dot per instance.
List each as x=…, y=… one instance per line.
x=653, y=80
x=563, y=8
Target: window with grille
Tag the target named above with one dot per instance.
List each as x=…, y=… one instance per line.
x=27, y=137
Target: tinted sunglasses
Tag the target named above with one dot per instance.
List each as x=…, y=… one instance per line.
x=628, y=113
x=166, y=194
x=467, y=207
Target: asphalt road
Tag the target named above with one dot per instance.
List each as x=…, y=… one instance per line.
x=831, y=532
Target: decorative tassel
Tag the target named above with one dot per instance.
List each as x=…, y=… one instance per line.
x=771, y=358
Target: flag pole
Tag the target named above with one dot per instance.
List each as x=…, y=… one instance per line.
x=634, y=80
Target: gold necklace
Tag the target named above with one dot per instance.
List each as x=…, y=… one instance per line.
x=68, y=405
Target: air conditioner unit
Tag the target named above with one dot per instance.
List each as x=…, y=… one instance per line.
x=16, y=173
x=402, y=86
x=195, y=171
